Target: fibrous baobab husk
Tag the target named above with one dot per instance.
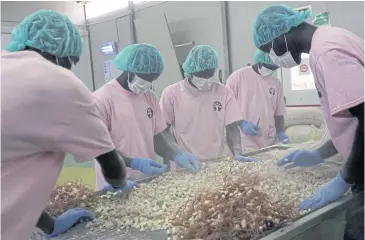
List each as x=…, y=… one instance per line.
x=239, y=210
x=157, y=204
x=70, y=195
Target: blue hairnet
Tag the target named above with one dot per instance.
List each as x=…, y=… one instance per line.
x=262, y=57
x=274, y=21
x=200, y=58
x=140, y=58
x=49, y=32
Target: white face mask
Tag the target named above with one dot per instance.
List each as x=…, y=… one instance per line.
x=265, y=71
x=138, y=85
x=203, y=84
x=286, y=60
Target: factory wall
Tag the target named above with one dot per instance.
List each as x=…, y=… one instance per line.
x=117, y=29
x=200, y=22
x=203, y=23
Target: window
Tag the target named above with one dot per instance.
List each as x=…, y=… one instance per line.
x=302, y=82
x=100, y=7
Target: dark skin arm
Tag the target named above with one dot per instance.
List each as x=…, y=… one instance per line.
x=353, y=170
x=114, y=168
x=46, y=223
x=279, y=123
x=327, y=149
x=234, y=138
x=165, y=144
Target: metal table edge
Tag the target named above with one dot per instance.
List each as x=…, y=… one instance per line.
x=309, y=220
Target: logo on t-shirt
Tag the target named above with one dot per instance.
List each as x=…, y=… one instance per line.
x=149, y=112
x=272, y=91
x=217, y=106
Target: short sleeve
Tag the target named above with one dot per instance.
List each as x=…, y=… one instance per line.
x=231, y=83
x=233, y=113
x=167, y=106
x=83, y=134
x=342, y=76
x=280, y=103
x=159, y=121
x=104, y=111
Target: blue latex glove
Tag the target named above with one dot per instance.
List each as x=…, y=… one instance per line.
x=283, y=138
x=249, y=128
x=71, y=217
x=130, y=185
x=187, y=160
x=329, y=192
x=148, y=166
x=301, y=158
x=241, y=158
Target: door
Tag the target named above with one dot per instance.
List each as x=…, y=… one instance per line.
x=160, y=37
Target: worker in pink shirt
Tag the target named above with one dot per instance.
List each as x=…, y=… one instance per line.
x=336, y=58
x=199, y=108
x=47, y=112
x=130, y=110
x=261, y=101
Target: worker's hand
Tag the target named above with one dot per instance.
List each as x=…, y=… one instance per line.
x=249, y=128
x=148, y=166
x=301, y=158
x=71, y=217
x=241, y=158
x=329, y=192
x=187, y=160
x=283, y=138
x=128, y=186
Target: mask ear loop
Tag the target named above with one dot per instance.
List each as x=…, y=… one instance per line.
x=129, y=80
x=71, y=62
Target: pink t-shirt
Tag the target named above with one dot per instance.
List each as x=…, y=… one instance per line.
x=132, y=120
x=199, y=118
x=258, y=98
x=46, y=112
x=337, y=62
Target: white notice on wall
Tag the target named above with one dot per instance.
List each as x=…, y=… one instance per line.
x=303, y=67
x=301, y=76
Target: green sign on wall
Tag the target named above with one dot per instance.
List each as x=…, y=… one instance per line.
x=321, y=19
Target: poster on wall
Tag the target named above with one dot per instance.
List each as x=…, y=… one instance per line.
x=303, y=68
x=321, y=19
x=301, y=75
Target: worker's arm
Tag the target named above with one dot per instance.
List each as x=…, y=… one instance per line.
x=46, y=223
x=127, y=160
x=234, y=138
x=327, y=149
x=353, y=170
x=166, y=147
x=114, y=168
x=279, y=124
x=165, y=144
